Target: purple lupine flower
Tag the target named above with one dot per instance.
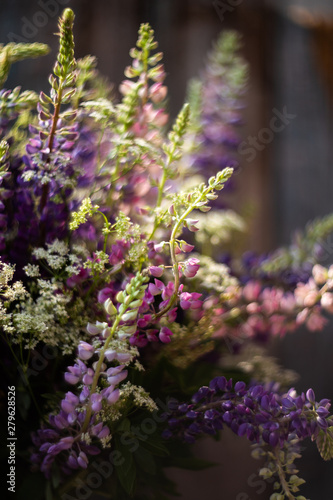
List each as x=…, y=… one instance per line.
x=156, y=271
x=79, y=413
x=85, y=350
x=165, y=335
x=259, y=413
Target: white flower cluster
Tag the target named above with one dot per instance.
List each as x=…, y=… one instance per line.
x=48, y=312
x=58, y=257
x=217, y=226
x=214, y=276
x=140, y=396
x=49, y=318
x=8, y=293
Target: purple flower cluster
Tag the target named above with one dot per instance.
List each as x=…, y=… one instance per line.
x=252, y=266
x=54, y=443
x=79, y=427
x=220, y=111
x=29, y=218
x=76, y=430
x=261, y=414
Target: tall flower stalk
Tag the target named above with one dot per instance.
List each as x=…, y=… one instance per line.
x=100, y=267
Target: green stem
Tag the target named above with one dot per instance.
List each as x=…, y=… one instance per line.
x=22, y=370
x=107, y=224
x=282, y=477
x=161, y=187
x=97, y=372
x=160, y=192
x=174, y=262
x=172, y=243
x=55, y=117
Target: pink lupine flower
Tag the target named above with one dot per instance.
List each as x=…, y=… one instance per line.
x=302, y=290
x=156, y=271
x=251, y=291
x=320, y=274
x=165, y=335
x=190, y=300
x=302, y=316
x=126, y=86
x=288, y=302
x=172, y=315
x=311, y=298
x=186, y=247
x=191, y=224
x=316, y=322
x=104, y=294
x=253, y=308
x=191, y=267
x=158, y=92
x=327, y=301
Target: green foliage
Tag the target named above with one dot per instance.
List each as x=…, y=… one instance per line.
x=13, y=52
x=279, y=462
x=80, y=217
x=15, y=101
x=199, y=197
x=62, y=85
x=225, y=61
x=194, y=98
x=144, y=61
x=126, y=470
x=4, y=148
x=173, y=149
x=324, y=443
x=303, y=249
x=102, y=110
x=143, y=68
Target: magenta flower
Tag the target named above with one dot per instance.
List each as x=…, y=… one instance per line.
x=190, y=300
x=165, y=335
x=191, y=267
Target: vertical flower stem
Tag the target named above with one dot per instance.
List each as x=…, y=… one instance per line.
x=172, y=244
x=282, y=476
x=97, y=372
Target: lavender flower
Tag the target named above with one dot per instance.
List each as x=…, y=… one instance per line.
x=263, y=415
x=216, y=100
x=78, y=429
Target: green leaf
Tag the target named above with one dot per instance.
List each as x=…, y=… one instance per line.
x=145, y=460
x=124, y=425
x=48, y=492
x=324, y=443
x=55, y=478
x=191, y=463
x=23, y=403
x=155, y=447
x=126, y=472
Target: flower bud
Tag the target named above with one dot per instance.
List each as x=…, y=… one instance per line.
x=156, y=271
x=327, y=302
x=85, y=350
x=320, y=274
x=110, y=308
x=130, y=315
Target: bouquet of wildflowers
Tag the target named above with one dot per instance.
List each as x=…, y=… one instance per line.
x=121, y=317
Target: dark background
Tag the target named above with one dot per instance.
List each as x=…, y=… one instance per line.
x=289, y=48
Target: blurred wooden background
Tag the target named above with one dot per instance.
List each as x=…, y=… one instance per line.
x=288, y=45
